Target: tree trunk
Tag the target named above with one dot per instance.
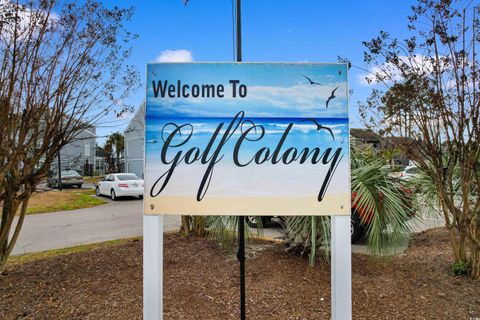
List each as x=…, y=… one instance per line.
x=465, y=243
x=475, y=262
x=474, y=233
x=199, y=226
x=10, y=207
x=193, y=226
x=186, y=225
x=3, y=259
x=457, y=236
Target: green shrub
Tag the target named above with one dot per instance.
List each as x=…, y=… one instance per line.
x=460, y=268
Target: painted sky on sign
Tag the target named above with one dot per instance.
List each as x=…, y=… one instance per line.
x=273, y=90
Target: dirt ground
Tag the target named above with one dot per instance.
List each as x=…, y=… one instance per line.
x=201, y=282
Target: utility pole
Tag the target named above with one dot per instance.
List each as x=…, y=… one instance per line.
x=59, y=184
x=241, y=219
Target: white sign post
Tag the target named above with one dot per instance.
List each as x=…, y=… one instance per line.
x=239, y=139
x=153, y=267
x=341, y=268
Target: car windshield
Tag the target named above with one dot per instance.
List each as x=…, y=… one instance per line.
x=70, y=173
x=413, y=171
x=123, y=177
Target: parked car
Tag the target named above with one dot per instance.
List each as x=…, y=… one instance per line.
x=409, y=172
x=253, y=221
x=120, y=185
x=68, y=178
x=395, y=170
x=361, y=218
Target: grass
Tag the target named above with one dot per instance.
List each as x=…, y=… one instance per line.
x=93, y=180
x=67, y=199
x=65, y=251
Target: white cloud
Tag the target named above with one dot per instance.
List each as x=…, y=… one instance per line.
x=417, y=63
x=181, y=55
x=26, y=17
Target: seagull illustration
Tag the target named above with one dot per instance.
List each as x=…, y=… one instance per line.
x=312, y=82
x=332, y=96
x=320, y=126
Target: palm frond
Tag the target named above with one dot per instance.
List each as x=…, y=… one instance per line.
x=384, y=201
x=306, y=234
x=224, y=229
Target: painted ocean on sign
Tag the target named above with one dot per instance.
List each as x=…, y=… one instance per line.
x=254, y=155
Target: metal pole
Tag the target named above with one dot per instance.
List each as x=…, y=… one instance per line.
x=241, y=219
x=241, y=259
x=239, y=32
x=59, y=184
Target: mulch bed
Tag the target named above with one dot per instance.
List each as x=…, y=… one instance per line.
x=201, y=282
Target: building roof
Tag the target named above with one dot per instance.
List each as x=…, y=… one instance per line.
x=364, y=134
x=395, y=141
x=134, y=119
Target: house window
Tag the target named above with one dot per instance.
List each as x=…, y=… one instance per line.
x=87, y=149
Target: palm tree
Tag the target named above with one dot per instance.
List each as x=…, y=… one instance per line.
x=115, y=144
x=386, y=198
x=223, y=229
x=383, y=199
x=381, y=202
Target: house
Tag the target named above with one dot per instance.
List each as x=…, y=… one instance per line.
x=134, y=143
x=365, y=139
x=79, y=154
x=399, y=159
x=100, y=166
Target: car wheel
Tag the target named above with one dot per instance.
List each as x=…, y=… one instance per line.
x=253, y=221
x=79, y=186
x=140, y=196
x=113, y=195
x=356, y=227
x=97, y=192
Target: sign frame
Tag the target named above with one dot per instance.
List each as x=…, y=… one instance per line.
x=164, y=200
x=341, y=287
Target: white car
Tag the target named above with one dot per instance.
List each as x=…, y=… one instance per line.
x=409, y=172
x=120, y=185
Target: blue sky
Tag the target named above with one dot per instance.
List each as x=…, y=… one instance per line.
x=277, y=31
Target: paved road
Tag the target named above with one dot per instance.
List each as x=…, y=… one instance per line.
x=115, y=220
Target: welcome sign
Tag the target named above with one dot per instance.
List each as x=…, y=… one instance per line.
x=247, y=139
